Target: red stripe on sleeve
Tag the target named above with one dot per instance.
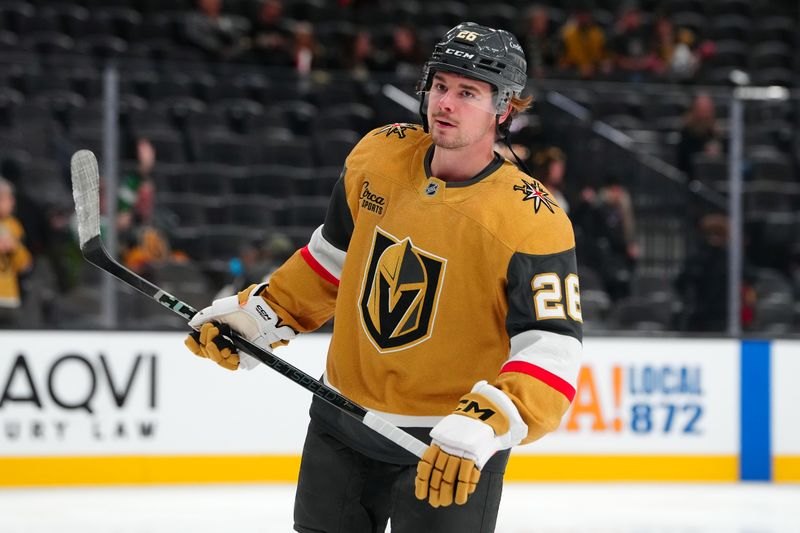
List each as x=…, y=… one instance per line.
x=318, y=268
x=542, y=375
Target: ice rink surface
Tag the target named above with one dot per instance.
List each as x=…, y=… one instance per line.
x=525, y=508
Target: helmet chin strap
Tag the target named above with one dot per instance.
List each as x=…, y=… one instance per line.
x=504, y=137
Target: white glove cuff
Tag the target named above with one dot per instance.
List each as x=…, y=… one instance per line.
x=267, y=320
x=518, y=429
x=462, y=436
x=254, y=319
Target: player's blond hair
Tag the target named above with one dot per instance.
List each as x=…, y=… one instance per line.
x=520, y=104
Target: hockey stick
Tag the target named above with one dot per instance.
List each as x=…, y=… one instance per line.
x=86, y=191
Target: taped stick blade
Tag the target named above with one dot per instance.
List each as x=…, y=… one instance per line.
x=86, y=192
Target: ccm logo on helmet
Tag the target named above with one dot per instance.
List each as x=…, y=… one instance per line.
x=459, y=53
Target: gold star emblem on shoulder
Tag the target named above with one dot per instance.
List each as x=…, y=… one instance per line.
x=534, y=191
x=398, y=128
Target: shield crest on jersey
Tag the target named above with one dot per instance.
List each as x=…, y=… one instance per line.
x=400, y=293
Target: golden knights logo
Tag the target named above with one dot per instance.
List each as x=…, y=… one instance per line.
x=400, y=293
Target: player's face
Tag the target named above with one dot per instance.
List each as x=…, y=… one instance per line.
x=461, y=110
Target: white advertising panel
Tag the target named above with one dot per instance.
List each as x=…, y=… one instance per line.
x=651, y=396
x=89, y=393
x=785, y=398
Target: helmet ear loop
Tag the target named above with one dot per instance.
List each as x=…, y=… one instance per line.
x=502, y=108
x=423, y=85
x=504, y=130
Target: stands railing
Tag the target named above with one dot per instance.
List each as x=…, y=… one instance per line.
x=665, y=204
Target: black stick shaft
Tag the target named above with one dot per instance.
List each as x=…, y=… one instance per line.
x=95, y=253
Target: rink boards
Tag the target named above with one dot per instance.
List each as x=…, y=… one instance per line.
x=108, y=408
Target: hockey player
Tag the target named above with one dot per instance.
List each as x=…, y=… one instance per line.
x=452, y=277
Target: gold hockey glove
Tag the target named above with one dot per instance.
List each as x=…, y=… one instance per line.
x=209, y=343
x=484, y=422
x=246, y=313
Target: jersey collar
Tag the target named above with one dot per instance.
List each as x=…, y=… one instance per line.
x=493, y=165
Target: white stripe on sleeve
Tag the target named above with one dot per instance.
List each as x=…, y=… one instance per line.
x=326, y=254
x=558, y=354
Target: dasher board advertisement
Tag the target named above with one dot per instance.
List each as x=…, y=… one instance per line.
x=661, y=396
x=114, y=407
x=645, y=410
x=88, y=393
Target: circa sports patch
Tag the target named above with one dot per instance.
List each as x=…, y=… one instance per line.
x=534, y=191
x=400, y=292
x=371, y=201
x=398, y=128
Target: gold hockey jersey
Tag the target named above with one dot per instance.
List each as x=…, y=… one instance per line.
x=436, y=285
x=12, y=263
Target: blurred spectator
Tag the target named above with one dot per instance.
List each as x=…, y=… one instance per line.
x=676, y=53
x=616, y=200
x=584, y=45
x=699, y=134
x=550, y=164
x=358, y=56
x=140, y=228
x=306, y=53
x=32, y=216
x=539, y=42
x=629, y=46
x=663, y=45
x=605, y=235
x=219, y=35
x=14, y=256
x=150, y=248
x=136, y=195
x=270, y=36
x=406, y=55
x=684, y=62
x=703, y=281
x=46, y=235
x=590, y=240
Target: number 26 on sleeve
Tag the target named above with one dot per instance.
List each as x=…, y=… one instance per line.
x=548, y=297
